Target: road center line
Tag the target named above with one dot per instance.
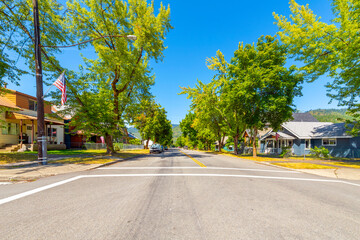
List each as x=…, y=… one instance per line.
x=40, y=189
x=207, y=168
x=198, y=162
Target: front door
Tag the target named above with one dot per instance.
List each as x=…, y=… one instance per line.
x=28, y=132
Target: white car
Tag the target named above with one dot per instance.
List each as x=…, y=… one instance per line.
x=156, y=148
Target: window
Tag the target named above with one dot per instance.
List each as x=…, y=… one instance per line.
x=10, y=129
x=32, y=105
x=307, y=144
x=51, y=132
x=329, y=142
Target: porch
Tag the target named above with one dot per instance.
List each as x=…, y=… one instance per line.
x=21, y=128
x=274, y=143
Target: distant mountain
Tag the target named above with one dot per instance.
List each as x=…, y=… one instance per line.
x=175, y=127
x=330, y=115
x=135, y=132
x=176, y=131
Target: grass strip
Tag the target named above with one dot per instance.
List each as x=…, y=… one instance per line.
x=303, y=166
x=82, y=156
x=345, y=164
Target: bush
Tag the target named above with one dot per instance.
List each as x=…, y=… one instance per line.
x=286, y=152
x=118, y=146
x=320, y=152
x=200, y=146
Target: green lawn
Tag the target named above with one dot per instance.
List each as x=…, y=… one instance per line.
x=303, y=166
x=80, y=156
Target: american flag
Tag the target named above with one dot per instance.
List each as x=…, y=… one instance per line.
x=61, y=85
x=277, y=136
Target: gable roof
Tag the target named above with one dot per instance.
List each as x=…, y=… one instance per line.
x=6, y=103
x=303, y=117
x=307, y=130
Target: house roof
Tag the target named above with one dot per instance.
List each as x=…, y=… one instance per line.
x=303, y=117
x=6, y=103
x=281, y=135
x=306, y=130
x=29, y=114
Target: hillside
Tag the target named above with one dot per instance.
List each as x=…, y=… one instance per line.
x=330, y=115
x=176, y=131
x=135, y=132
x=175, y=127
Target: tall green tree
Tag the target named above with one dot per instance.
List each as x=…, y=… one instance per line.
x=264, y=87
x=207, y=106
x=188, y=130
x=121, y=69
x=230, y=105
x=328, y=48
x=153, y=124
x=17, y=40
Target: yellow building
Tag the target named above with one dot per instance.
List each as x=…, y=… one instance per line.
x=19, y=124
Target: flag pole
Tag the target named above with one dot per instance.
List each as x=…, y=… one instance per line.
x=47, y=90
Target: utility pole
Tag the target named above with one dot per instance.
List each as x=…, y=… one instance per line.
x=42, y=149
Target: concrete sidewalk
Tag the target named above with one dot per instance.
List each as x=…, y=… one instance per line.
x=340, y=173
x=35, y=172
x=30, y=171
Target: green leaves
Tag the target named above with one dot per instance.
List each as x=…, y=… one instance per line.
x=331, y=49
x=253, y=90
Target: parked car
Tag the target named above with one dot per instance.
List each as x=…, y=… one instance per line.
x=156, y=148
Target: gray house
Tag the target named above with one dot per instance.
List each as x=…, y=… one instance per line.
x=301, y=136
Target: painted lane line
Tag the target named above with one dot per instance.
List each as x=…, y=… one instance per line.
x=198, y=162
x=4, y=183
x=21, y=195
x=36, y=190
x=211, y=168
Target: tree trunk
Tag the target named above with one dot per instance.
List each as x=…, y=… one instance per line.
x=147, y=143
x=222, y=141
x=236, y=140
x=109, y=144
x=254, y=142
x=126, y=136
x=219, y=145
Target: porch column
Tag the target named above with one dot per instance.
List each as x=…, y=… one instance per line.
x=21, y=133
x=32, y=132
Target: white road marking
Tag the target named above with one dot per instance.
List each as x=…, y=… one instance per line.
x=4, y=183
x=36, y=190
x=40, y=189
x=214, y=168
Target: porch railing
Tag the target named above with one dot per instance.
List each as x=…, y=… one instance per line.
x=273, y=150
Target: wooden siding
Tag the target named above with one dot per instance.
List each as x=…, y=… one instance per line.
x=7, y=139
x=22, y=100
x=11, y=97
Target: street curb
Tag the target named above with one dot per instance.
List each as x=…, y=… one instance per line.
x=34, y=163
x=116, y=161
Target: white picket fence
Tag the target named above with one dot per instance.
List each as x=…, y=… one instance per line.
x=120, y=146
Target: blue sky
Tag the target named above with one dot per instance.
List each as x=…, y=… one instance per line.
x=200, y=29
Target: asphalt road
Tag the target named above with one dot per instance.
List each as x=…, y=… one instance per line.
x=173, y=196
